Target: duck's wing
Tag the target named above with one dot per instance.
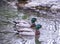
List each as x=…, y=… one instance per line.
x=23, y=23
x=26, y=31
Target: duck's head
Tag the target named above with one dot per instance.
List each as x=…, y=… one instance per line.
x=33, y=20
x=38, y=26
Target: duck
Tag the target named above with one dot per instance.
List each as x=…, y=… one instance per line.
x=25, y=24
x=25, y=28
x=30, y=31
x=21, y=4
x=37, y=32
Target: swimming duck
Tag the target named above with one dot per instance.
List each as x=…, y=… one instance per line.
x=29, y=33
x=26, y=32
x=25, y=27
x=37, y=33
x=23, y=23
x=38, y=26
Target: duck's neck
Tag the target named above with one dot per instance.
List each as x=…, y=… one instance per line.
x=32, y=25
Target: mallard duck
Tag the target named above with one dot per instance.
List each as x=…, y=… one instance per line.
x=23, y=23
x=27, y=32
x=37, y=32
x=24, y=26
x=30, y=31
